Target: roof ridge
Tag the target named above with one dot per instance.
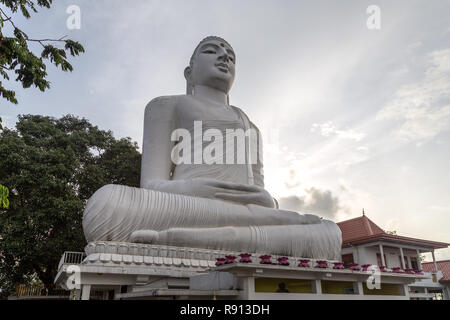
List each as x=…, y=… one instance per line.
x=370, y=223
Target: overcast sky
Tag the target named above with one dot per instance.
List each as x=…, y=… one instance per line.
x=352, y=118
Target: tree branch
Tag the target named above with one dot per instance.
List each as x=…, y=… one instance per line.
x=26, y=36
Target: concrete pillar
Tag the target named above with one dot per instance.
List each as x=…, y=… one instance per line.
x=383, y=262
x=248, y=288
x=419, y=263
x=356, y=256
x=358, y=288
x=317, y=287
x=406, y=291
x=402, y=265
x=86, y=292
x=77, y=294
x=434, y=261
x=116, y=292
x=426, y=292
x=446, y=292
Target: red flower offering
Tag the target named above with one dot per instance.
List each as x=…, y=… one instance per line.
x=365, y=267
x=283, y=261
x=355, y=267
x=230, y=259
x=266, y=259
x=304, y=263
x=220, y=261
x=322, y=264
x=383, y=269
x=338, y=265
x=245, y=258
x=397, y=270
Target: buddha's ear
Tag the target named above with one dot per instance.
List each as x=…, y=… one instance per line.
x=187, y=73
x=188, y=77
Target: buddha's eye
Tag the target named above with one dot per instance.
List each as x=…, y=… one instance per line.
x=209, y=52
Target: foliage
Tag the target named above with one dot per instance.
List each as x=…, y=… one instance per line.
x=52, y=167
x=17, y=57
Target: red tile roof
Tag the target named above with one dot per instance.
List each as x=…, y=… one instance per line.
x=358, y=228
x=444, y=266
x=363, y=230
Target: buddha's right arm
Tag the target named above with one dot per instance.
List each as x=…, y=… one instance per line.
x=159, y=123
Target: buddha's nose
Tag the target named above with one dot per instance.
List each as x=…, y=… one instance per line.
x=224, y=56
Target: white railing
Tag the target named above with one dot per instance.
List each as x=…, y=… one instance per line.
x=71, y=258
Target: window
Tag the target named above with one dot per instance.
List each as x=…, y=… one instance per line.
x=406, y=262
x=380, y=263
x=414, y=264
x=347, y=259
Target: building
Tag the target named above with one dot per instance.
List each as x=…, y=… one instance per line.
x=369, y=256
x=366, y=243
x=438, y=287
x=375, y=265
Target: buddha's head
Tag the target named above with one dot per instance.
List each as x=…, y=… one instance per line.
x=212, y=64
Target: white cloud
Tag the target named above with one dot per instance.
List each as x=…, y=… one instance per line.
x=315, y=201
x=328, y=129
x=423, y=108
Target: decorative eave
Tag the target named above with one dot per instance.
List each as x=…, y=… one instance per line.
x=397, y=239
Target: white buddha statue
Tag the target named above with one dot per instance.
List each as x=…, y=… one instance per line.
x=217, y=204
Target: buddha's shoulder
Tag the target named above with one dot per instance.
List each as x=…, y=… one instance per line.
x=164, y=101
x=165, y=104
x=169, y=101
x=239, y=110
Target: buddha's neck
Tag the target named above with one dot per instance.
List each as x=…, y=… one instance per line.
x=211, y=94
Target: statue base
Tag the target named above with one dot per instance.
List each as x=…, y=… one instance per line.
x=118, y=270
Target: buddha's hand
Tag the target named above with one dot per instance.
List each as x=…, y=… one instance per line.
x=216, y=189
x=244, y=194
x=240, y=193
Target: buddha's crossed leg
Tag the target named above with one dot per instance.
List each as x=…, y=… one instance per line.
x=309, y=240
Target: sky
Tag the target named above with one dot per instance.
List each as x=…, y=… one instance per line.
x=352, y=117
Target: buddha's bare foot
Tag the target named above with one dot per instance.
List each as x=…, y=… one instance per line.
x=144, y=236
x=281, y=217
x=224, y=238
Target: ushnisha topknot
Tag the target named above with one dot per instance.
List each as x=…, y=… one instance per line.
x=209, y=38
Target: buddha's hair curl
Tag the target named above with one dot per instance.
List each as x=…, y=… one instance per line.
x=209, y=38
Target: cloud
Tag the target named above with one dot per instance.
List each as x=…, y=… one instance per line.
x=315, y=201
x=328, y=129
x=423, y=108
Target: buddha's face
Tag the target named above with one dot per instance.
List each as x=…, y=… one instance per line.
x=213, y=66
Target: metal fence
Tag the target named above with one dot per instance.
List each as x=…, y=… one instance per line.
x=39, y=291
x=71, y=258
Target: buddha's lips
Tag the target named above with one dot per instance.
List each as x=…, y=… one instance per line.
x=222, y=66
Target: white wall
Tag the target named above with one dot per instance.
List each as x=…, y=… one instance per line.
x=368, y=255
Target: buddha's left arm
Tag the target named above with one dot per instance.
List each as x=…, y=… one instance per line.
x=258, y=168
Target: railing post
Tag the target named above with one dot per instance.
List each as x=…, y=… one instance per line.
x=434, y=261
x=419, y=262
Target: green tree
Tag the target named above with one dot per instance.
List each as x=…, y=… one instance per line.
x=16, y=56
x=51, y=167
